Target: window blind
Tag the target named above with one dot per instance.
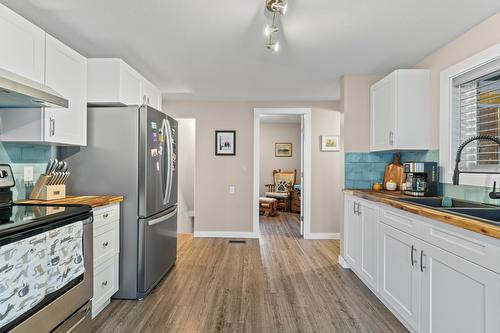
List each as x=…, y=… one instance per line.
x=478, y=113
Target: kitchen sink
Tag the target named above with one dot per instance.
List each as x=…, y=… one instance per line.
x=475, y=210
x=488, y=215
x=436, y=202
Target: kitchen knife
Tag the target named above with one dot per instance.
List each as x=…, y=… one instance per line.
x=53, y=167
x=49, y=166
x=59, y=166
x=65, y=178
x=53, y=178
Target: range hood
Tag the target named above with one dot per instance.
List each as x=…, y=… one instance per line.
x=19, y=92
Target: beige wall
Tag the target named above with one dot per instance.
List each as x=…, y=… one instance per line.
x=479, y=38
x=271, y=133
x=216, y=209
x=355, y=102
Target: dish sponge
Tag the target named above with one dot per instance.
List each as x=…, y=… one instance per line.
x=446, y=202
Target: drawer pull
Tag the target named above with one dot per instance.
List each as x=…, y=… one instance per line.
x=413, y=261
x=105, y=216
x=105, y=244
x=105, y=283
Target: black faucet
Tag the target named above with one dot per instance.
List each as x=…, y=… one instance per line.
x=457, y=172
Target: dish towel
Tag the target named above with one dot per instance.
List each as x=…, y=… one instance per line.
x=29, y=271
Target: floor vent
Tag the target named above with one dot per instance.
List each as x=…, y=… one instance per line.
x=237, y=241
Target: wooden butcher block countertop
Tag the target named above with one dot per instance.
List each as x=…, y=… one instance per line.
x=92, y=200
x=390, y=198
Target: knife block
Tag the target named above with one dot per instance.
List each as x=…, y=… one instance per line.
x=42, y=191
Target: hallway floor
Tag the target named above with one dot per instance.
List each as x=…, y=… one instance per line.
x=281, y=283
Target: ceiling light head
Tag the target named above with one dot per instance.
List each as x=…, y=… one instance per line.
x=269, y=30
x=277, y=6
x=275, y=47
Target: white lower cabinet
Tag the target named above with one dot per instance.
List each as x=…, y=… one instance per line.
x=360, y=245
x=106, y=255
x=368, y=254
x=352, y=232
x=457, y=295
x=399, y=275
x=428, y=287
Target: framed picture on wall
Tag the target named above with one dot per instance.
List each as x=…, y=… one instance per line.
x=330, y=143
x=283, y=149
x=225, y=143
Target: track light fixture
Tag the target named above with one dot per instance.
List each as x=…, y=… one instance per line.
x=275, y=7
x=269, y=30
x=275, y=47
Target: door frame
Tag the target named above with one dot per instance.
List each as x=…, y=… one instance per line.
x=306, y=156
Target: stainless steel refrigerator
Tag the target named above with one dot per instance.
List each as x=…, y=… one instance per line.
x=132, y=151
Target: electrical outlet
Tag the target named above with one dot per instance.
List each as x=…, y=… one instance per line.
x=28, y=173
x=232, y=189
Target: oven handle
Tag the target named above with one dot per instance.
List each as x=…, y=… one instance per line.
x=83, y=313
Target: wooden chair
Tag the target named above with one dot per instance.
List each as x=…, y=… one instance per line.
x=282, y=188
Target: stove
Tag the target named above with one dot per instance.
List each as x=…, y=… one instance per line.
x=46, y=264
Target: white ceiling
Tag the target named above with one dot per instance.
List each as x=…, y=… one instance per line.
x=213, y=50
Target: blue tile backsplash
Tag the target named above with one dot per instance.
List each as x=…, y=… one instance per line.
x=362, y=170
x=19, y=155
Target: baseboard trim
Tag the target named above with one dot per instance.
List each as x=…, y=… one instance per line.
x=224, y=234
x=323, y=235
x=343, y=263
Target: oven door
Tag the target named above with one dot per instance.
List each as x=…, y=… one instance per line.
x=66, y=309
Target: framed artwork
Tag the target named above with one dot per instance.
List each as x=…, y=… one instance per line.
x=283, y=149
x=330, y=143
x=225, y=143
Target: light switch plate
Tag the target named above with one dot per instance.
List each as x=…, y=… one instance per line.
x=28, y=173
x=232, y=189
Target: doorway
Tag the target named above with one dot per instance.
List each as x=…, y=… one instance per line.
x=187, y=148
x=295, y=154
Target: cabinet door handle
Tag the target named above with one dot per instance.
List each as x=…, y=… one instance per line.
x=104, y=283
x=422, y=260
x=52, y=126
x=391, y=138
x=359, y=209
x=105, y=216
x=413, y=261
x=105, y=244
x=354, y=207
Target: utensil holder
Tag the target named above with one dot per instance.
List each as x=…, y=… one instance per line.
x=42, y=191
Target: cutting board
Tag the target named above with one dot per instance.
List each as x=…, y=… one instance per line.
x=395, y=171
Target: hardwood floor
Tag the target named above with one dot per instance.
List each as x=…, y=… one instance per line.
x=281, y=283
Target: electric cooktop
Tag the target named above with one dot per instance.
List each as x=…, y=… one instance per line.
x=15, y=218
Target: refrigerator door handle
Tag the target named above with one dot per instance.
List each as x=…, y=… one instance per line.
x=163, y=218
x=170, y=161
x=165, y=147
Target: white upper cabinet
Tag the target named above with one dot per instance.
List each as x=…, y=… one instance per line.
x=111, y=82
x=151, y=95
x=23, y=46
x=400, y=110
x=66, y=72
x=29, y=52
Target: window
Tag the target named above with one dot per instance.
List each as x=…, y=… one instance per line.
x=477, y=112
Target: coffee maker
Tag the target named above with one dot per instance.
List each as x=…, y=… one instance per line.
x=421, y=179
